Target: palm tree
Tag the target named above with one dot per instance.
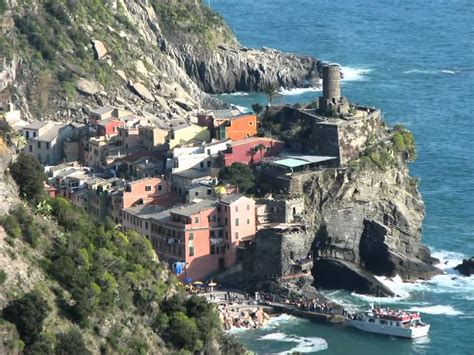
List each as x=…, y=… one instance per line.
x=257, y=108
x=271, y=91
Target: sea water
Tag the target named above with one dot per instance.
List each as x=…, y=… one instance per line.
x=414, y=60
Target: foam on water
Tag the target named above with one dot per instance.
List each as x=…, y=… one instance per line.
x=303, y=344
x=355, y=74
x=238, y=93
x=278, y=320
x=430, y=71
x=308, y=345
x=298, y=91
x=438, y=309
x=274, y=336
x=242, y=109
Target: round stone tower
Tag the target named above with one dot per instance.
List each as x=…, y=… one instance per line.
x=331, y=82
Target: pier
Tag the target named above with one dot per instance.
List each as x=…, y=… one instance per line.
x=310, y=315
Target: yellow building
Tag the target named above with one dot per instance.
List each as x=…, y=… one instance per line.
x=186, y=133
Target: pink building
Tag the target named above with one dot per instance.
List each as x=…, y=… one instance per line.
x=139, y=192
x=203, y=237
x=251, y=150
x=109, y=127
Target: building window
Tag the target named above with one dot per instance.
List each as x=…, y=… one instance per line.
x=39, y=145
x=236, y=235
x=27, y=135
x=31, y=148
x=208, y=163
x=213, y=250
x=201, y=164
x=248, y=207
x=248, y=221
x=250, y=123
x=226, y=235
x=191, y=237
x=160, y=188
x=237, y=222
x=34, y=134
x=191, y=251
x=225, y=220
x=196, y=219
x=146, y=225
x=236, y=208
x=47, y=145
x=267, y=149
x=196, y=193
x=209, y=191
x=148, y=188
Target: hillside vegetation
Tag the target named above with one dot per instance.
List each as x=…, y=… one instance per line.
x=70, y=286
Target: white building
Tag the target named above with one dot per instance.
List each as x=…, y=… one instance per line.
x=45, y=140
x=199, y=157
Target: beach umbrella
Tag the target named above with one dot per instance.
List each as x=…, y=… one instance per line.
x=212, y=284
x=197, y=283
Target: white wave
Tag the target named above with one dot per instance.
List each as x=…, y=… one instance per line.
x=236, y=330
x=439, y=309
x=242, y=109
x=429, y=71
x=355, y=74
x=308, y=345
x=448, y=259
x=238, y=93
x=298, y=91
x=303, y=345
x=274, y=336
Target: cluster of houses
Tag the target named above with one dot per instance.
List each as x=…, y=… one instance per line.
x=161, y=180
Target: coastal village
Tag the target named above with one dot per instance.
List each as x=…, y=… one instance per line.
x=162, y=180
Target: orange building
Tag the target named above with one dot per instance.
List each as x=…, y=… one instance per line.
x=229, y=124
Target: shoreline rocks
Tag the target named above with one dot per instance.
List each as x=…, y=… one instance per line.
x=466, y=268
x=241, y=317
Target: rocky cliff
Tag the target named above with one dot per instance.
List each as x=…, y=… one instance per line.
x=159, y=57
x=368, y=219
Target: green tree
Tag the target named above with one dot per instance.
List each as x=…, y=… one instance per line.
x=183, y=332
x=71, y=343
x=238, y=174
x=271, y=91
x=257, y=108
x=29, y=175
x=28, y=314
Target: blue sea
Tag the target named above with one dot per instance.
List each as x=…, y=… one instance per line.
x=414, y=60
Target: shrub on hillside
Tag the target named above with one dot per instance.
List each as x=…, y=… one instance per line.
x=28, y=314
x=29, y=175
x=71, y=343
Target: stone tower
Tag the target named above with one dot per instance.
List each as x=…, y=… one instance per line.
x=332, y=102
x=331, y=82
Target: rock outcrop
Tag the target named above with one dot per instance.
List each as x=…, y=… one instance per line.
x=366, y=220
x=466, y=268
x=159, y=44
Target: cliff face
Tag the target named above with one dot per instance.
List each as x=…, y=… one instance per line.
x=153, y=56
x=369, y=219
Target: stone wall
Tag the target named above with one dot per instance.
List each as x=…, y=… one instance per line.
x=345, y=138
x=277, y=251
x=355, y=135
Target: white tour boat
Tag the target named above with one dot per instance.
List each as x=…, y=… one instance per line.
x=390, y=322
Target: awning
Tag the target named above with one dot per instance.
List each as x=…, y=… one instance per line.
x=290, y=162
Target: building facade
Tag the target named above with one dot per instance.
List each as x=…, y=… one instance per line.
x=251, y=150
